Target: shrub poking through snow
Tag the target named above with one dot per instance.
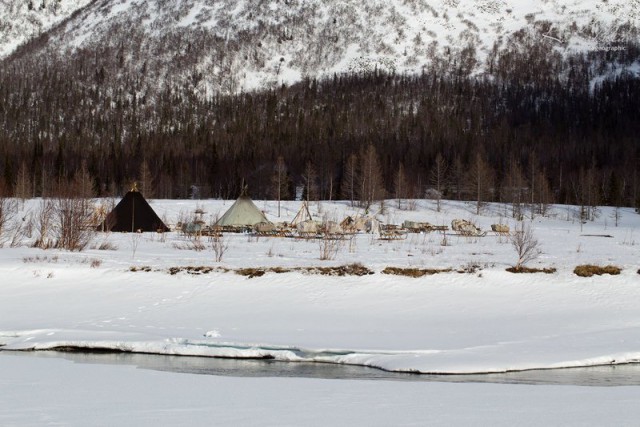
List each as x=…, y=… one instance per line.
x=8, y=209
x=329, y=247
x=196, y=270
x=144, y=268
x=414, y=272
x=355, y=269
x=37, y=258
x=470, y=268
x=250, y=272
x=522, y=269
x=107, y=246
x=588, y=270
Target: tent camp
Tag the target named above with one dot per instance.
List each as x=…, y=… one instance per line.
x=242, y=213
x=132, y=214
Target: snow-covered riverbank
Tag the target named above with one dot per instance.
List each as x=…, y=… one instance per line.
x=485, y=321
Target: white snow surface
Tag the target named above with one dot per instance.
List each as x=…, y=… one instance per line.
x=49, y=391
x=62, y=393
x=487, y=321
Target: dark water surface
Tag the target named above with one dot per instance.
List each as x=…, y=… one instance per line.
x=597, y=376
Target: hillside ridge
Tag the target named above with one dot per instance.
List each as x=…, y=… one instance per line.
x=230, y=46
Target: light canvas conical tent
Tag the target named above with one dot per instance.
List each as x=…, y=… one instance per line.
x=242, y=213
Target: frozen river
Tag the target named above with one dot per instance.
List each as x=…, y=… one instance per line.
x=595, y=376
x=125, y=389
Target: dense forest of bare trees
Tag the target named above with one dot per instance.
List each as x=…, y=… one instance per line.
x=536, y=129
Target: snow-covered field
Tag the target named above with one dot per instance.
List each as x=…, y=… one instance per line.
x=480, y=321
x=488, y=320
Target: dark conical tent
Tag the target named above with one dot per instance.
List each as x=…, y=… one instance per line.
x=132, y=214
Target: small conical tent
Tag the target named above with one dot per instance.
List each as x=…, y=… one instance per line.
x=302, y=215
x=132, y=214
x=242, y=213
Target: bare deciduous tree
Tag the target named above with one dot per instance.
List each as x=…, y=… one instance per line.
x=219, y=246
x=458, y=175
x=513, y=189
x=45, y=180
x=586, y=190
x=310, y=178
x=280, y=182
x=438, y=178
x=73, y=213
x=23, y=188
x=83, y=184
x=44, y=223
x=544, y=194
x=533, y=183
x=134, y=243
x=21, y=228
x=615, y=194
x=400, y=185
x=104, y=216
x=329, y=248
x=371, y=184
x=350, y=179
x=145, y=181
x=525, y=244
x=72, y=223
x=8, y=210
x=616, y=215
x=481, y=180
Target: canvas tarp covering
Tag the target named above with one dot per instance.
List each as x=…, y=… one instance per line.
x=242, y=213
x=132, y=214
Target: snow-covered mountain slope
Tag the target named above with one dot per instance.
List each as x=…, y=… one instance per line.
x=234, y=45
x=21, y=20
